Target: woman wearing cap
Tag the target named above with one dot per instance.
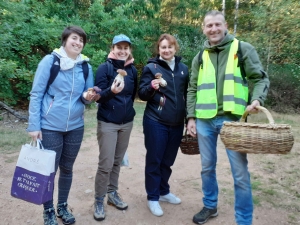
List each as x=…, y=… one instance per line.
x=164, y=86
x=115, y=120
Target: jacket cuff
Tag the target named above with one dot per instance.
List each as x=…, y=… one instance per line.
x=260, y=101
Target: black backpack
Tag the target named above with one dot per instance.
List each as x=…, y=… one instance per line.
x=240, y=61
x=56, y=67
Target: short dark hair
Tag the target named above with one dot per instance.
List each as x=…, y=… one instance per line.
x=72, y=29
x=169, y=38
x=213, y=13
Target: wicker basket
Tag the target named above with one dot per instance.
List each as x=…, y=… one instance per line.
x=257, y=138
x=189, y=145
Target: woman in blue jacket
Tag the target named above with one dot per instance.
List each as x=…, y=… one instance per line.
x=56, y=113
x=163, y=120
x=115, y=120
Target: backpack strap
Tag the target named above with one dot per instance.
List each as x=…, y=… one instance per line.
x=85, y=69
x=200, y=58
x=110, y=67
x=154, y=68
x=134, y=70
x=241, y=62
x=53, y=71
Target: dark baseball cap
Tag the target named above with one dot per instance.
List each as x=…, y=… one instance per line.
x=120, y=38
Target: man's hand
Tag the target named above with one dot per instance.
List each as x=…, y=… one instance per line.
x=191, y=127
x=251, y=108
x=35, y=135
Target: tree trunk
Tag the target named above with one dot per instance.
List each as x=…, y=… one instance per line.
x=270, y=39
x=223, y=7
x=14, y=112
x=236, y=16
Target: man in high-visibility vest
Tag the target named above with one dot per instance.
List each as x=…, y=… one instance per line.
x=217, y=92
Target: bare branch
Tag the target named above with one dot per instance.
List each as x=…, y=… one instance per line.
x=14, y=112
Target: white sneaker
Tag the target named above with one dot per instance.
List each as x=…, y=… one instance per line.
x=155, y=208
x=171, y=198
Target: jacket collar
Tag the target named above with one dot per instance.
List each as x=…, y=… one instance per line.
x=221, y=46
x=112, y=56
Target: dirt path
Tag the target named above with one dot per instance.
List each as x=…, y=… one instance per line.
x=185, y=182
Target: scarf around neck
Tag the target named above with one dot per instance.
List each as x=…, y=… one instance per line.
x=67, y=63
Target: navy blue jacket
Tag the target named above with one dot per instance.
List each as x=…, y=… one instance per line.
x=173, y=109
x=116, y=108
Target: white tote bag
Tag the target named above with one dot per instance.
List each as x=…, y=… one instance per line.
x=33, y=180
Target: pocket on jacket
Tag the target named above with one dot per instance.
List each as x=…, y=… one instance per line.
x=47, y=104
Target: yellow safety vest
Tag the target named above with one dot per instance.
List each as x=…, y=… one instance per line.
x=235, y=92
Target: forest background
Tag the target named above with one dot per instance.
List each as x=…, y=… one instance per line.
x=30, y=29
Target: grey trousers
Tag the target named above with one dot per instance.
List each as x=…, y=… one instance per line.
x=113, y=141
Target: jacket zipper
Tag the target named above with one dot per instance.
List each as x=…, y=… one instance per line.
x=174, y=88
x=217, y=70
x=124, y=103
x=175, y=92
x=70, y=99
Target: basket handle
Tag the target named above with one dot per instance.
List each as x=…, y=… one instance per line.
x=260, y=108
x=185, y=134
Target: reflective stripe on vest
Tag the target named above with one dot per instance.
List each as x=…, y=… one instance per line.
x=235, y=92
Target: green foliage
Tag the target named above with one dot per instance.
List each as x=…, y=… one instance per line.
x=284, y=94
x=7, y=68
x=188, y=48
x=22, y=85
x=30, y=29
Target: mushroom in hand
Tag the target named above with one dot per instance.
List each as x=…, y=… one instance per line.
x=162, y=81
x=89, y=92
x=120, y=76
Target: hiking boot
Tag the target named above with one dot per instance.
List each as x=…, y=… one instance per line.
x=155, y=208
x=115, y=199
x=99, y=213
x=49, y=217
x=171, y=198
x=64, y=213
x=202, y=216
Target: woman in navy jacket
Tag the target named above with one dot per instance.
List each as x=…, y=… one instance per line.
x=115, y=120
x=163, y=120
